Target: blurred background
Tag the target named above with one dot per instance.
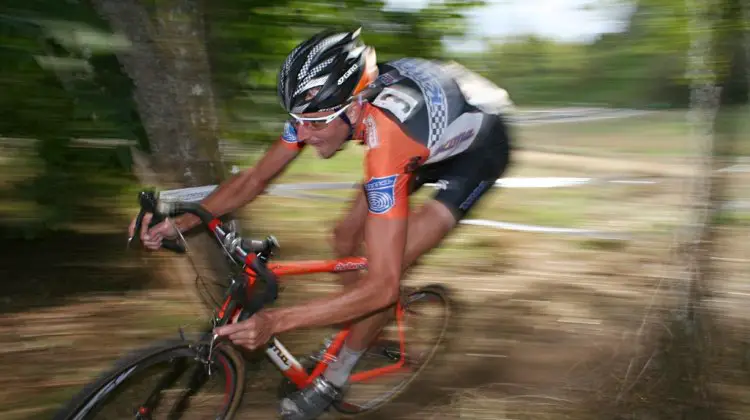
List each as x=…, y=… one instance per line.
x=608, y=280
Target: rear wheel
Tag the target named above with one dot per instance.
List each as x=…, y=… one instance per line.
x=176, y=380
x=427, y=313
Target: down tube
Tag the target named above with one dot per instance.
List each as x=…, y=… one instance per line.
x=286, y=362
x=318, y=266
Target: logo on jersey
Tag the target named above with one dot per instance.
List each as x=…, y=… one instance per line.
x=402, y=102
x=424, y=75
x=456, y=140
x=290, y=134
x=474, y=195
x=381, y=194
x=390, y=78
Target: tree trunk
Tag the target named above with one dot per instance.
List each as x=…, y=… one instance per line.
x=712, y=120
x=168, y=64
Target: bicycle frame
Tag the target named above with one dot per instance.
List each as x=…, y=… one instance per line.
x=278, y=353
x=288, y=364
x=254, y=256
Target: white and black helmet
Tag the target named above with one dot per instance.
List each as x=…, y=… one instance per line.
x=339, y=64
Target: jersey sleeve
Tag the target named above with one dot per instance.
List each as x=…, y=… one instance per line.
x=289, y=138
x=391, y=155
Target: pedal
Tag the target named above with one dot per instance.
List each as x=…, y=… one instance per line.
x=388, y=349
x=393, y=354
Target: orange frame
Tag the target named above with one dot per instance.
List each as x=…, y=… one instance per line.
x=283, y=359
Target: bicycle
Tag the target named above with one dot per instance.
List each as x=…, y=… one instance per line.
x=256, y=285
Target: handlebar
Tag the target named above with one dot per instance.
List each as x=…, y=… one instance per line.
x=238, y=247
x=252, y=253
x=148, y=203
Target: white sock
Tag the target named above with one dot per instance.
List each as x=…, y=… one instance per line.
x=338, y=372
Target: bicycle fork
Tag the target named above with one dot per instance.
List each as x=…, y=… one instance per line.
x=197, y=380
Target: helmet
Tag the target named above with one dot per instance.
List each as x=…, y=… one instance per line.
x=339, y=64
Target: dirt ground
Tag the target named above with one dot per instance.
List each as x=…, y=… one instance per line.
x=546, y=326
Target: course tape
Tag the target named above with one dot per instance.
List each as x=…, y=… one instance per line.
x=297, y=191
x=199, y=193
x=736, y=169
x=521, y=182
x=546, y=229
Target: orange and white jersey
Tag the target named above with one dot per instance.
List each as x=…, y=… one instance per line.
x=416, y=113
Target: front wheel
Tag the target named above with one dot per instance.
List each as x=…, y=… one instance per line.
x=164, y=382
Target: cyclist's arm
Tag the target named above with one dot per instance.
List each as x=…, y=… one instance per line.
x=243, y=187
x=376, y=290
x=386, y=187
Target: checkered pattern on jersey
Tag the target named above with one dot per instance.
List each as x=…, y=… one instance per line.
x=421, y=72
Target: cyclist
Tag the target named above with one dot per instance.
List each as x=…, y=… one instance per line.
x=421, y=122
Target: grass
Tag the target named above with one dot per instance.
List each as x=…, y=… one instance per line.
x=659, y=134
x=733, y=218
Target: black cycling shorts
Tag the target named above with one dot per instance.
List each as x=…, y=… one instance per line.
x=463, y=179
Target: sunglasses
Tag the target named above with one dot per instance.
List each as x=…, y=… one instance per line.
x=319, y=123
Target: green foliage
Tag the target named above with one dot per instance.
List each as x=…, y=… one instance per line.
x=535, y=70
x=642, y=66
x=61, y=80
x=52, y=94
x=249, y=39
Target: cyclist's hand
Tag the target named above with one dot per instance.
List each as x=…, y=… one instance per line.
x=251, y=333
x=152, y=237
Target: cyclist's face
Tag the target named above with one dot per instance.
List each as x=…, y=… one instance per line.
x=326, y=138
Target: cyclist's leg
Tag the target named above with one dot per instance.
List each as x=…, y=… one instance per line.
x=465, y=180
x=366, y=329
x=348, y=237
